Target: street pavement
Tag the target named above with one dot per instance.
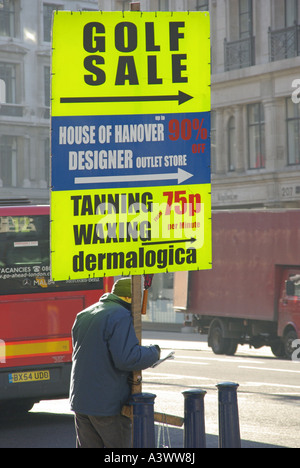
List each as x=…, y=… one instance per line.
x=268, y=397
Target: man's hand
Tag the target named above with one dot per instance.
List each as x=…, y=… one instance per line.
x=158, y=349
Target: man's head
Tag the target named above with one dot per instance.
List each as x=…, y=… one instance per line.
x=122, y=289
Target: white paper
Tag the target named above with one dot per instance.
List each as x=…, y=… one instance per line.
x=164, y=355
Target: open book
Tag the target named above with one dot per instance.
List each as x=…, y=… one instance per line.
x=164, y=355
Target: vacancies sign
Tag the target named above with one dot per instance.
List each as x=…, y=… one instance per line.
x=130, y=143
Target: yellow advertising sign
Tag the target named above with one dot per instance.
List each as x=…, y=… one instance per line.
x=130, y=143
x=114, y=63
x=122, y=232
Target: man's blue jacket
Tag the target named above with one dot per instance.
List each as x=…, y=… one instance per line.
x=105, y=352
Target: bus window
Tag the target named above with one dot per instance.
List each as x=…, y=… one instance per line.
x=25, y=257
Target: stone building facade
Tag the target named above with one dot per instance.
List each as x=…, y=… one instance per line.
x=25, y=52
x=255, y=97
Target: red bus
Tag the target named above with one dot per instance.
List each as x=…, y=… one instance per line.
x=36, y=314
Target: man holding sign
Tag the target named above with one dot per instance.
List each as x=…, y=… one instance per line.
x=105, y=352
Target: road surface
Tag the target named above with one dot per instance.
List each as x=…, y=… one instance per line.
x=268, y=397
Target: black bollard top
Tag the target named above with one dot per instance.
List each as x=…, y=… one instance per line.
x=227, y=385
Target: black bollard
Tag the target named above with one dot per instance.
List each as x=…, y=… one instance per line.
x=143, y=420
x=229, y=427
x=194, y=421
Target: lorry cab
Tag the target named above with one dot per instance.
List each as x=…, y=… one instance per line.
x=252, y=293
x=289, y=309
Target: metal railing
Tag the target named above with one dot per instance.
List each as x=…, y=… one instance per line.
x=284, y=43
x=239, y=54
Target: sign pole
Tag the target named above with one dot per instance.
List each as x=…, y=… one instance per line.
x=136, y=293
x=136, y=303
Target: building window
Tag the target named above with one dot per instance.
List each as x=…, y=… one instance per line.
x=47, y=92
x=245, y=18
x=256, y=136
x=198, y=5
x=290, y=12
x=7, y=18
x=123, y=5
x=231, y=144
x=285, y=43
x=293, y=132
x=2, y=91
x=8, y=161
x=241, y=53
x=161, y=5
x=47, y=86
x=9, y=98
x=47, y=19
x=7, y=83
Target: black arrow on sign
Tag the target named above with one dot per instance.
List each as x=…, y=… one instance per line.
x=180, y=97
x=192, y=240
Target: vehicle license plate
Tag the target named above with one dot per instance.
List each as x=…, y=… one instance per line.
x=30, y=376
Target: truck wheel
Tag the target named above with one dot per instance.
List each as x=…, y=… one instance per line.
x=289, y=338
x=218, y=343
x=278, y=349
x=231, y=347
